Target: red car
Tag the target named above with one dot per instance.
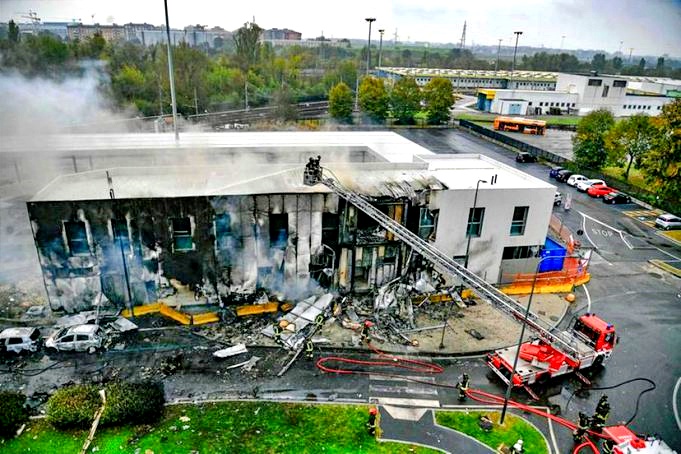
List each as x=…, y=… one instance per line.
x=599, y=190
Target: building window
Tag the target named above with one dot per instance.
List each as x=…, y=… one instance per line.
x=541, y=103
x=120, y=232
x=330, y=229
x=562, y=104
x=624, y=106
x=519, y=220
x=573, y=104
x=659, y=108
x=76, y=238
x=529, y=103
x=278, y=230
x=606, y=90
x=223, y=230
x=427, y=223
x=520, y=252
x=619, y=83
x=595, y=82
x=475, y=218
x=182, y=234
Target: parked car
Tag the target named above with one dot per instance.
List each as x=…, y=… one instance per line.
x=557, y=199
x=79, y=338
x=599, y=190
x=563, y=175
x=18, y=340
x=553, y=173
x=524, y=156
x=582, y=186
x=668, y=222
x=616, y=198
x=574, y=179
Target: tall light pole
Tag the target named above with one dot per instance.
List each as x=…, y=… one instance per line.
x=496, y=67
x=170, y=74
x=522, y=333
x=475, y=204
x=380, y=47
x=517, y=35
x=370, y=20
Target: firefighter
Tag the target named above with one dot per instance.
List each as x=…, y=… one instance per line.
x=581, y=428
x=277, y=333
x=463, y=387
x=365, y=333
x=309, y=349
x=608, y=446
x=371, y=423
x=517, y=448
x=319, y=322
x=601, y=414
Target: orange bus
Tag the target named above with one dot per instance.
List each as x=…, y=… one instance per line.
x=519, y=124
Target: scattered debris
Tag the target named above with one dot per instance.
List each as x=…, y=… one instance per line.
x=475, y=334
x=123, y=325
x=231, y=351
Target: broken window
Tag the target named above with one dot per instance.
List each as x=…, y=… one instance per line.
x=390, y=255
x=121, y=235
x=520, y=252
x=182, y=234
x=475, y=218
x=519, y=221
x=76, y=237
x=330, y=229
x=278, y=230
x=427, y=223
x=223, y=230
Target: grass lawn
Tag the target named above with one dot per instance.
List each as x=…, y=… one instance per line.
x=514, y=428
x=550, y=119
x=635, y=175
x=227, y=427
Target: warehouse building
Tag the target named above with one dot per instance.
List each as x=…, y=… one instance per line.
x=239, y=218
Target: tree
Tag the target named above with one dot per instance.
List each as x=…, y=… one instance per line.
x=439, y=98
x=660, y=66
x=13, y=32
x=247, y=44
x=662, y=164
x=598, y=62
x=589, y=142
x=373, y=98
x=629, y=140
x=617, y=63
x=642, y=65
x=340, y=102
x=405, y=100
x=285, y=108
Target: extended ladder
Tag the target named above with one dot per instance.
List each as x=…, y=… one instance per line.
x=562, y=341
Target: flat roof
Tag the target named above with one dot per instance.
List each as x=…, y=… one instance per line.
x=541, y=76
x=398, y=167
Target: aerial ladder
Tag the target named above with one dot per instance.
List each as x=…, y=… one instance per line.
x=552, y=353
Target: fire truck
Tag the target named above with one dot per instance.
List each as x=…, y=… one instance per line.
x=551, y=353
x=624, y=441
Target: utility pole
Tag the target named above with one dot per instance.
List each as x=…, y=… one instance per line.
x=196, y=102
x=171, y=74
x=370, y=20
x=517, y=35
x=619, y=49
x=395, y=38
x=631, y=50
x=380, y=47
x=496, y=67
x=119, y=235
x=462, y=44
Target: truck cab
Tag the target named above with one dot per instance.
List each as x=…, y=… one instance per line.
x=595, y=332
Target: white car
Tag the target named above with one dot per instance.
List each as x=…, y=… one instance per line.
x=668, y=222
x=574, y=179
x=17, y=340
x=584, y=185
x=78, y=338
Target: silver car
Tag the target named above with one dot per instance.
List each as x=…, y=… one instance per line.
x=18, y=340
x=668, y=222
x=78, y=338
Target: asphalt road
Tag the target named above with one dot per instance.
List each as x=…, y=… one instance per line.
x=625, y=289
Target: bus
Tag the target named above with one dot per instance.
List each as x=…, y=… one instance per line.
x=519, y=124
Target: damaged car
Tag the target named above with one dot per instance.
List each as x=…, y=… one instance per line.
x=78, y=338
x=19, y=340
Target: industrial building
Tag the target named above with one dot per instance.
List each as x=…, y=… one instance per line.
x=472, y=79
x=579, y=94
x=233, y=216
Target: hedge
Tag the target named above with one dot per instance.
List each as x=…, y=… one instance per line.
x=13, y=413
x=73, y=406
x=131, y=403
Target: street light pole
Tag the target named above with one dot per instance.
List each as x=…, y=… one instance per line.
x=475, y=204
x=496, y=67
x=370, y=20
x=517, y=35
x=171, y=74
x=380, y=47
x=522, y=333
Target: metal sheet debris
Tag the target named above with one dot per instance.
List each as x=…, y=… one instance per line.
x=230, y=351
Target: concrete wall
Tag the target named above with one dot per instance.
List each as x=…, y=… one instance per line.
x=486, y=251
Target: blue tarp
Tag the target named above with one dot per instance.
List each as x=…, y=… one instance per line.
x=552, y=249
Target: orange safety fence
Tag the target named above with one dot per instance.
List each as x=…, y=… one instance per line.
x=575, y=272
x=167, y=311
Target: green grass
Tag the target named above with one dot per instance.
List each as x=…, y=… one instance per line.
x=227, y=427
x=636, y=177
x=550, y=119
x=514, y=428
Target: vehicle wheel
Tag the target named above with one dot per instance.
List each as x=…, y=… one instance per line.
x=598, y=363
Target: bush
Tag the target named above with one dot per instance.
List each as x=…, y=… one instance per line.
x=128, y=403
x=73, y=406
x=13, y=413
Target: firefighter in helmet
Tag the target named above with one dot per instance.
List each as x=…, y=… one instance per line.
x=463, y=386
x=365, y=333
x=371, y=423
x=601, y=414
x=581, y=428
x=309, y=349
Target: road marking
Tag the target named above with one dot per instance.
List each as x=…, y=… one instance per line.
x=620, y=232
x=670, y=255
x=405, y=414
x=588, y=298
x=404, y=402
x=584, y=230
x=404, y=390
x=407, y=378
x=674, y=405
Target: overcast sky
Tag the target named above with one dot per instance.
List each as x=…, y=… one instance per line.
x=649, y=26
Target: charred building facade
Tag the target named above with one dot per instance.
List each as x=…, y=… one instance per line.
x=232, y=230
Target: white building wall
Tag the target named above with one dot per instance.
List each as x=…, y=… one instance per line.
x=543, y=100
x=487, y=250
x=649, y=105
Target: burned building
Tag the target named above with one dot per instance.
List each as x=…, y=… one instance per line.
x=249, y=222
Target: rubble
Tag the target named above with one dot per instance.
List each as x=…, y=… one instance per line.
x=230, y=351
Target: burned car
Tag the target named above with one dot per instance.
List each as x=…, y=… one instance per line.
x=79, y=338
